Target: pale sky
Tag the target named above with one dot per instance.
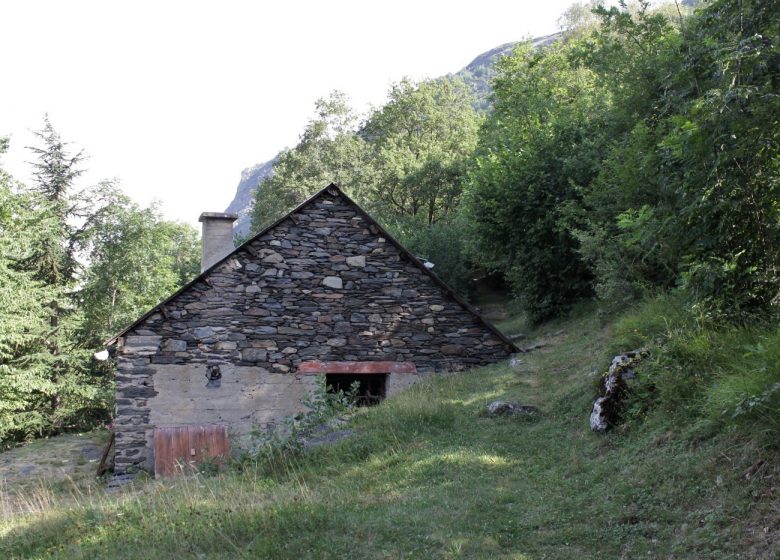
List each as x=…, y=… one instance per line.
x=175, y=98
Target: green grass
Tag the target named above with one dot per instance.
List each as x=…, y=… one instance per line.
x=720, y=376
x=427, y=477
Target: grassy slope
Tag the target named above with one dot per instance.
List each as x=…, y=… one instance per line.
x=428, y=478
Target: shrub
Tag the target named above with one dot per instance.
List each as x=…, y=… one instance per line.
x=322, y=405
x=725, y=375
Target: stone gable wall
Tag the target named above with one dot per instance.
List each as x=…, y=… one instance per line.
x=324, y=285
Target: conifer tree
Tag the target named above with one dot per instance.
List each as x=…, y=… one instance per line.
x=52, y=251
x=24, y=318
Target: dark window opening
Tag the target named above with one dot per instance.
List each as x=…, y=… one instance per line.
x=371, y=388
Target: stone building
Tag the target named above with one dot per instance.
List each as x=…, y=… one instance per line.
x=324, y=290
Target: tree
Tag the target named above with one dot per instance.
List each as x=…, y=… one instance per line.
x=74, y=268
x=421, y=140
x=542, y=140
x=52, y=260
x=626, y=221
x=329, y=151
x=136, y=260
x=54, y=173
x=722, y=149
x=24, y=319
x=688, y=193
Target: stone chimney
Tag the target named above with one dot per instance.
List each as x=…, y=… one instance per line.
x=216, y=237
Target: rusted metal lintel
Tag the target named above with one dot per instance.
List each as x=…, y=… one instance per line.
x=314, y=367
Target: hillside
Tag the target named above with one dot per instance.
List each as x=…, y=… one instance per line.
x=425, y=475
x=477, y=75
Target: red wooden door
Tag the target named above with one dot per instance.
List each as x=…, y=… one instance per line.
x=179, y=450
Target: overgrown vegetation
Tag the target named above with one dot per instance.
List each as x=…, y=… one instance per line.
x=275, y=444
x=711, y=375
x=643, y=149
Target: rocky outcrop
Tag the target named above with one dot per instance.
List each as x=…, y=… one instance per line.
x=509, y=408
x=242, y=201
x=613, y=390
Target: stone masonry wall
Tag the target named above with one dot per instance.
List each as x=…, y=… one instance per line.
x=323, y=284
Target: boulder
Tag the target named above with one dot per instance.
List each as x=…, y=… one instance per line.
x=608, y=408
x=510, y=408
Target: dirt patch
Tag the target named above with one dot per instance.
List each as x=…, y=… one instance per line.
x=65, y=458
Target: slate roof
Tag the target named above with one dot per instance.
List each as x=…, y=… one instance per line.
x=332, y=190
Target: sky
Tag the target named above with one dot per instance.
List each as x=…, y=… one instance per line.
x=175, y=98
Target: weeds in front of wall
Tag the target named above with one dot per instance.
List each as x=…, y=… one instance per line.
x=271, y=447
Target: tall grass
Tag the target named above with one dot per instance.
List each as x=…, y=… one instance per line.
x=726, y=376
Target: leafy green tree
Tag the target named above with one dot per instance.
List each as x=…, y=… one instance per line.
x=541, y=141
x=723, y=150
x=421, y=140
x=329, y=151
x=136, y=260
x=445, y=245
x=625, y=221
x=688, y=193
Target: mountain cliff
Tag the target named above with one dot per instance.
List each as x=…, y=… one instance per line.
x=242, y=201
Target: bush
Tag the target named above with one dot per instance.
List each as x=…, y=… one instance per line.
x=652, y=322
x=748, y=389
x=269, y=446
x=542, y=139
x=725, y=375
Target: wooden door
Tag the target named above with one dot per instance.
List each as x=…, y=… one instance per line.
x=181, y=449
